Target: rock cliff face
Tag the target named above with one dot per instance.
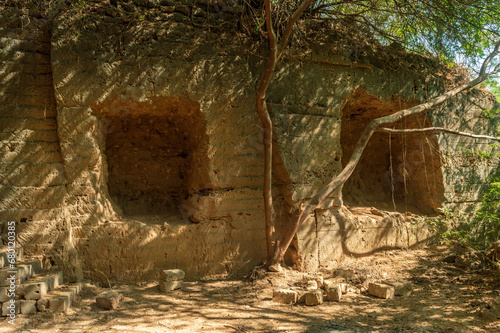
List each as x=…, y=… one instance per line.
x=131, y=144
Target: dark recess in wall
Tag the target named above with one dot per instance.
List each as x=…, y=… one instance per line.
x=152, y=151
x=401, y=170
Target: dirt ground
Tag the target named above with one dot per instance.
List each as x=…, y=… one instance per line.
x=445, y=299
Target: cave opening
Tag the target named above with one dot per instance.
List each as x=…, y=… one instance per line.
x=155, y=153
x=396, y=171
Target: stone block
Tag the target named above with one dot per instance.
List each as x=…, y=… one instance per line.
x=52, y=280
x=24, y=272
x=344, y=287
x=33, y=291
x=173, y=275
x=59, y=304
x=42, y=305
x=4, y=294
x=6, y=272
x=336, y=282
x=301, y=296
x=36, y=266
x=68, y=292
x=285, y=296
x=109, y=300
x=381, y=290
x=330, y=283
x=57, y=280
x=20, y=253
x=169, y=285
x=312, y=285
x=401, y=287
x=316, y=277
x=314, y=297
x=11, y=307
x=6, y=277
x=334, y=294
x=28, y=306
x=62, y=299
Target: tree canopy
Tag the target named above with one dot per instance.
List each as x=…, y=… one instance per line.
x=463, y=30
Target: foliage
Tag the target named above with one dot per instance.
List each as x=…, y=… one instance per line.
x=490, y=114
x=494, y=87
x=452, y=226
x=482, y=230
x=447, y=29
x=480, y=153
x=485, y=227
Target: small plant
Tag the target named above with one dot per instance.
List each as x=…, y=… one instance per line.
x=480, y=231
x=483, y=154
x=486, y=223
x=490, y=114
x=480, y=153
x=453, y=226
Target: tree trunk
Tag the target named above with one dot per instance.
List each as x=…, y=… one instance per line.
x=267, y=125
x=274, y=55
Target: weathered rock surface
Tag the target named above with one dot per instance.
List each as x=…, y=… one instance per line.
x=28, y=307
x=318, y=278
x=311, y=285
x=334, y=281
x=314, y=297
x=401, y=287
x=301, y=296
x=169, y=285
x=11, y=307
x=285, y=296
x=334, y=293
x=109, y=300
x=173, y=275
x=381, y=290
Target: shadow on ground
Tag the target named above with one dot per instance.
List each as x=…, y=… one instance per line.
x=445, y=299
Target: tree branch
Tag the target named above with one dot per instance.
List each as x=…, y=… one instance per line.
x=436, y=129
x=488, y=59
x=269, y=26
x=288, y=29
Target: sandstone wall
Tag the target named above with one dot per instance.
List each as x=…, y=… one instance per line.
x=144, y=150
x=33, y=179
x=468, y=163
x=166, y=69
